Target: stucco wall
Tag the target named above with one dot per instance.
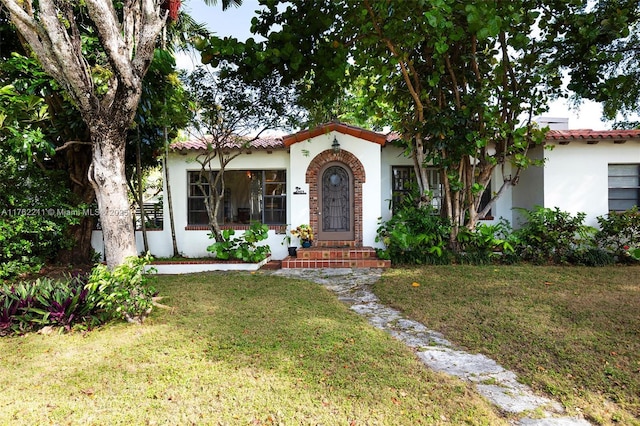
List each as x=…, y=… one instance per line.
x=576, y=176
x=368, y=153
x=529, y=192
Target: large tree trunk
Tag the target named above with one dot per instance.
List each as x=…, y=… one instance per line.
x=110, y=184
x=76, y=160
x=128, y=38
x=80, y=234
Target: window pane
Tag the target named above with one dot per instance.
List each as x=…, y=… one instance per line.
x=198, y=218
x=621, y=205
x=275, y=188
x=624, y=186
x=275, y=176
x=273, y=203
x=196, y=204
x=274, y=217
x=623, y=169
x=623, y=194
x=623, y=181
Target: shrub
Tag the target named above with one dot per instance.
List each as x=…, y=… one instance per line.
x=31, y=230
x=486, y=243
x=123, y=292
x=591, y=256
x=243, y=248
x=83, y=301
x=28, y=306
x=415, y=235
x=619, y=234
x=552, y=236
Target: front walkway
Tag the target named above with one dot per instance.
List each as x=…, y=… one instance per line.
x=352, y=286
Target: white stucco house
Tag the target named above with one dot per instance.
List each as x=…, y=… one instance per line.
x=341, y=180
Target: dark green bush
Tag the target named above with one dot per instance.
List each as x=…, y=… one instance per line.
x=487, y=243
x=419, y=236
x=619, y=234
x=552, y=236
x=32, y=220
x=591, y=257
x=415, y=235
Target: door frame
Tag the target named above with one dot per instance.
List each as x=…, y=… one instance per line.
x=334, y=235
x=312, y=177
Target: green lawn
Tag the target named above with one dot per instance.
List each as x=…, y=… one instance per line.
x=238, y=349
x=571, y=332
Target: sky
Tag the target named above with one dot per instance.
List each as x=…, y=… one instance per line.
x=236, y=22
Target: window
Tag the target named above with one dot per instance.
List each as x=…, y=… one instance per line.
x=404, y=180
x=624, y=186
x=250, y=195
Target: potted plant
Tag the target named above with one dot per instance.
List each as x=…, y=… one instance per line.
x=287, y=239
x=304, y=233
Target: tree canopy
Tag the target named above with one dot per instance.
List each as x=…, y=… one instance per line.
x=98, y=52
x=460, y=80
x=228, y=115
x=600, y=49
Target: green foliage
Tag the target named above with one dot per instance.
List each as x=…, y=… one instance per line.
x=599, y=51
x=415, y=235
x=486, y=243
x=453, y=77
x=591, y=256
x=29, y=306
x=418, y=236
x=619, y=234
x=552, y=236
x=123, y=292
x=243, y=248
x=35, y=213
x=82, y=301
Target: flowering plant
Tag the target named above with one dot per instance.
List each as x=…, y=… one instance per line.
x=633, y=252
x=304, y=232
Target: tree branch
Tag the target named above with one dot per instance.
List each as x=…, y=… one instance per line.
x=69, y=143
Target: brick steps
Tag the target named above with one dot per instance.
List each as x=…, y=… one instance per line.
x=335, y=257
x=273, y=265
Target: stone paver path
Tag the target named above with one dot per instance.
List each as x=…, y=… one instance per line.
x=352, y=286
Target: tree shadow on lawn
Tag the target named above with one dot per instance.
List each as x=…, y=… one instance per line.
x=237, y=348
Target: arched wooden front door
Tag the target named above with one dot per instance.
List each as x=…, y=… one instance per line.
x=336, y=203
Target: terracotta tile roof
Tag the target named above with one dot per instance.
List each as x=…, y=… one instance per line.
x=288, y=140
x=274, y=142
x=269, y=142
x=592, y=136
x=393, y=136
x=347, y=129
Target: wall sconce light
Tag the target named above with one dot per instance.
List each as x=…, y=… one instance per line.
x=335, y=145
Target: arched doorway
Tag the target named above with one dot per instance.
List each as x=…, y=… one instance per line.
x=335, y=204
x=355, y=171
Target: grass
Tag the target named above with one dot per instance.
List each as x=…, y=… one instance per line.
x=238, y=349
x=570, y=332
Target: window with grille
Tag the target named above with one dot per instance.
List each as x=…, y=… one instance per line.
x=404, y=181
